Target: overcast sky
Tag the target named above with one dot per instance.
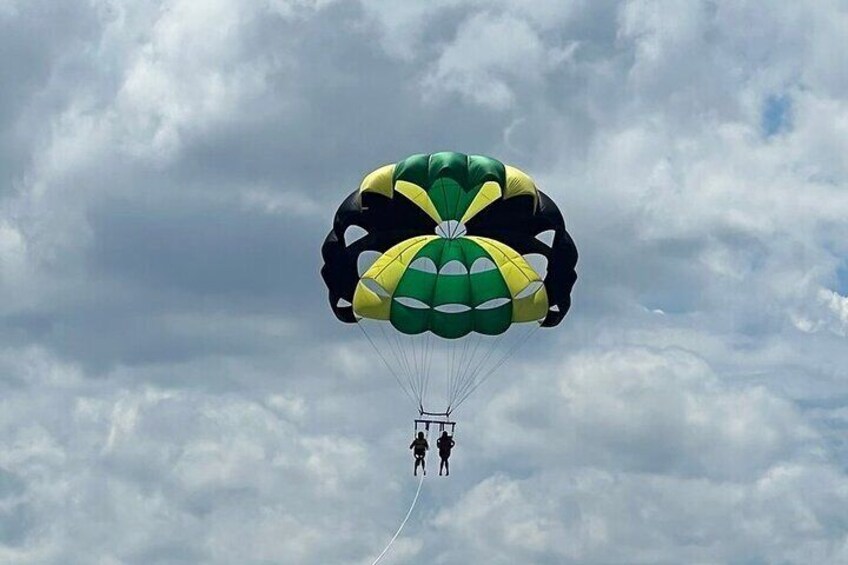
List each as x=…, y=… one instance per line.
x=174, y=388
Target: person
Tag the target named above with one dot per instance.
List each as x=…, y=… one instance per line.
x=419, y=446
x=445, y=443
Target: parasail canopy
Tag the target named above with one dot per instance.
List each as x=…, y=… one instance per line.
x=454, y=250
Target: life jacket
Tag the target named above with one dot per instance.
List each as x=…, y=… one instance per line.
x=419, y=446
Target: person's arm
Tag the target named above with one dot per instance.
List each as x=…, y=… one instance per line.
x=411, y=445
x=426, y=445
x=452, y=443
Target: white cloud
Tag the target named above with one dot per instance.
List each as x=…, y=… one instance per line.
x=125, y=473
x=190, y=71
x=490, y=58
x=592, y=516
x=640, y=454
x=12, y=252
x=647, y=410
x=828, y=311
x=283, y=203
x=173, y=387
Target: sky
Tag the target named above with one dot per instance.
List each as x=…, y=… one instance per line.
x=174, y=388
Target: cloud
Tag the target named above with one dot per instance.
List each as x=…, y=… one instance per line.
x=489, y=54
x=174, y=388
x=594, y=516
x=660, y=411
x=152, y=474
x=643, y=454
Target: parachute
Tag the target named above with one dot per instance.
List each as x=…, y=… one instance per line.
x=448, y=263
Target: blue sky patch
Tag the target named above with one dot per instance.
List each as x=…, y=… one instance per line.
x=776, y=115
x=842, y=279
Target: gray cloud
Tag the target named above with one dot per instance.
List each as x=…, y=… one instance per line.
x=176, y=390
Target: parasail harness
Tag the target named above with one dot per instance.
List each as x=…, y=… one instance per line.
x=440, y=420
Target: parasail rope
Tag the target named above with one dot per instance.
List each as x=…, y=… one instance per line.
x=468, y=379
x=402, y=524
x=524, y=339
x=474, y=383
x=386, y=363
x=403, y=363
x=428, y=363
x=469, y=367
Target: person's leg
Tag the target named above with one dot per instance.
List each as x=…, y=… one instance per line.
x=447, y=467
x=415, y=469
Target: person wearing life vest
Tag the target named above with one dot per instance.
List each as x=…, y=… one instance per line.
x=445, y=443
x=419, y=447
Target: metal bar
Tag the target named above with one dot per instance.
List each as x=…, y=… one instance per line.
x=424, y=413
x=441, y=423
